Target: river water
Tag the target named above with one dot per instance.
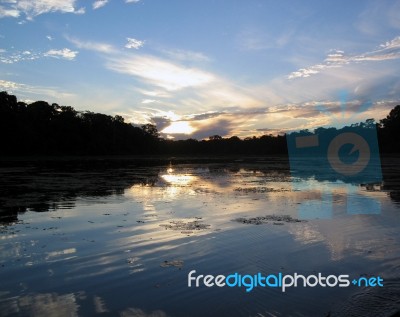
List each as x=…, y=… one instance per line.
x=119, y=239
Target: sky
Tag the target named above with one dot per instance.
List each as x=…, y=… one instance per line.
x=211, y=67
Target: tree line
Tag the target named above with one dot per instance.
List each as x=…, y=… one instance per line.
x=41, y=128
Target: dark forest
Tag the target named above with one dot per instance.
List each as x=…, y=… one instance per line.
x=41, y=128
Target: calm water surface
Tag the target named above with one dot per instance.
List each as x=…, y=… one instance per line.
x=121, y=240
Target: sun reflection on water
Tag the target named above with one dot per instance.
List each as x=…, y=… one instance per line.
x=176, y=179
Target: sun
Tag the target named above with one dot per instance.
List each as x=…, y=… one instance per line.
x=182, y=127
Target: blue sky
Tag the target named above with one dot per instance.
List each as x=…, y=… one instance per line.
x=199, y=68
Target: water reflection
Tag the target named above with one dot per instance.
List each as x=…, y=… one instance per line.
x=113, y=240
x=136, y=312
x=39, y=305
x=39, y=189
x=67, y=305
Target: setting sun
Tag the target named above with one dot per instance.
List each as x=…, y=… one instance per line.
x=183, y=127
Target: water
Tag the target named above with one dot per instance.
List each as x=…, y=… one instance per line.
x=119, y=239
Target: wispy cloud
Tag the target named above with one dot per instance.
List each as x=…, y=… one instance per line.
x=65, y=53
x=132, y=1
x=133, y=43
x=185, y=55
x=32, y=8
x=146, y=101
x=99, y=3
x=25, y=90
x=159, y=72
x=154, y=93
x=92, y=46
x=9, y=12
x=377, y=17
x=387, y=51
x=253, y=39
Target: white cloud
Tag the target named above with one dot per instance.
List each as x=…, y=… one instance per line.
x=133, y=43
x=65, y=53
x=80, y=11
x=4, y=12
x=154, y=93
x=6, y=85
x=145, y=101
x=18, y=56
x=92, y=46
x=27, y=55
x=184, y=55
x=49, y=37
x=99, y=3
x=159, y=72
x=387, y=51
x=32, y=8
x=395, y=43
x=132, y=1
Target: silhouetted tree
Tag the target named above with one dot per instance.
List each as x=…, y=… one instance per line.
x=151, y=130
x=392, y=121
x=389, y=131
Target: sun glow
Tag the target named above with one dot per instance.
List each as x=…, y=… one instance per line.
x=183, y=127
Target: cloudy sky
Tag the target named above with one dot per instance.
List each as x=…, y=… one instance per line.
x=199, y=68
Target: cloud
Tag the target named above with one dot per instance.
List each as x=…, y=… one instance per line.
x=99, y=3
x=158, y=72
x=4, y=12
x=155, y=93
x=184, y=55
x=202, y=125
x=149, y=101
x=18, y=56
x=132, y=1
x=133, y=43
x=395, y=43
x=91, y=46
x=387, y=51
x=65, y=53
x=205, y=115
x=32, y=8
x=25, y=90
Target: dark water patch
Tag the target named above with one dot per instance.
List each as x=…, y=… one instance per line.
x=276, y=220
x=261, y=190
x=371, y=302
x=186, y=227
x=172, y=263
